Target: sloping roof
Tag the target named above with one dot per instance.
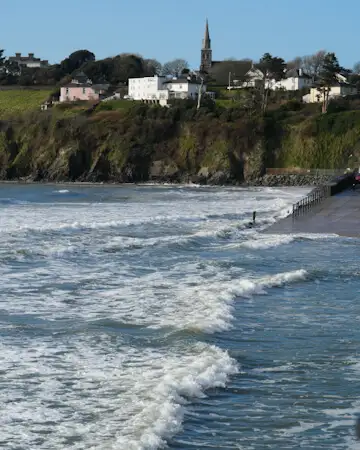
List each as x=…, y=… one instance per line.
x=220, y=70
x=336, y=83
x=181, y=81
x=77, y=85
x=296, y=73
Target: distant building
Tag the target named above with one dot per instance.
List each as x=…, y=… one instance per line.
x=220, y=73
x=82, y=88
x=161, y=89
x=338, y=89
x=295, y=80
x=146, y=88
x=29, y=61
x=244, y=73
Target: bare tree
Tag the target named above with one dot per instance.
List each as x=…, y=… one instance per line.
x=312, y=64
x=296, y=63
x=175, y=67
x=356, y=68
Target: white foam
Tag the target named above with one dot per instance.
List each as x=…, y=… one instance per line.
x=96, y=388
x=302, y=427
x=258, y=241
x=133, y=399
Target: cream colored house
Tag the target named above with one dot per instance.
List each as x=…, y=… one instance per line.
x=339, y=89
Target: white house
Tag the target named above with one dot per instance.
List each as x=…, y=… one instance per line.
x=338, y=89
x=253, y=78
x=295, y=79
x=161, y=89
x=184, y=88
x=145, y=88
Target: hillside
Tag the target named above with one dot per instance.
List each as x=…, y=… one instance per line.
x=135, y=143
x=17, y=101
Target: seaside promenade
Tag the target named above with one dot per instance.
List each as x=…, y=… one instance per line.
x=339, y=214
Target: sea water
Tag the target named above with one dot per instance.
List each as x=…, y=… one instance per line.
x=148, y=317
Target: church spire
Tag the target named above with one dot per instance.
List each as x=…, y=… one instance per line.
x=206, y=52
x=207, y=40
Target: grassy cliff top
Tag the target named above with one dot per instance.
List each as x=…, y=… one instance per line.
x=17, y=101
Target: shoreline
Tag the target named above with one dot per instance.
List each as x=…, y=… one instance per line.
x=150, y=184
x=275, y=181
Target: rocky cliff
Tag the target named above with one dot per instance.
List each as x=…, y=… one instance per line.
x=179, y=144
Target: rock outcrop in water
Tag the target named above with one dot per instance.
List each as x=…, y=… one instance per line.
x=212, y=145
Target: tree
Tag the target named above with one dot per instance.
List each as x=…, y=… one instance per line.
x=356, y=68
x=2, y=58
x=152, y=67
x=327, y=75
x=99, y=70
x=273, y=70
x=312, y=64
x=124, y=67
x=296, y=63
x=76, y=60
x=9, y=70
x=175, y=67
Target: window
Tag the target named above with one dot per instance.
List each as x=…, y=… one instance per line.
x=67, y=91
x=84, y=91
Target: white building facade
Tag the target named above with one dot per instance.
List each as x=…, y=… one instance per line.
x=336, y=91
x=161, y=89
x=146, y=88
x=295, y=79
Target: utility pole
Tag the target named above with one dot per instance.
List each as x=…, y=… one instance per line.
x=229, y=87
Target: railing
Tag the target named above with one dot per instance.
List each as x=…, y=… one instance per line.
x=315, y=197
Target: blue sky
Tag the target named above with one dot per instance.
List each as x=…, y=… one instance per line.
x=165, y=29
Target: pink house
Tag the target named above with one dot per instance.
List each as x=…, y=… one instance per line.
x=82, y=88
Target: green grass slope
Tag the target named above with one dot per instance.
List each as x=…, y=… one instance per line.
x=16, y=101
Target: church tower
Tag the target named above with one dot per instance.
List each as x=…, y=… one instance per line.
x=206, y=52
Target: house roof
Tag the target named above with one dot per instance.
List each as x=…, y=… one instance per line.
x=296, y=73
x=96, y=87
x=182, y=81
x=337, y=83
x=79, y=85
x=220, y=70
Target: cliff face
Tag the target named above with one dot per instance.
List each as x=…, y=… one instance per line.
x=176, y=144
x=140, y=144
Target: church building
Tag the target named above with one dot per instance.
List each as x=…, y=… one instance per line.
x=221, y=73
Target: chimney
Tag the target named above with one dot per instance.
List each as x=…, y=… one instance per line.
x=18, y=55
x=31, y=55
